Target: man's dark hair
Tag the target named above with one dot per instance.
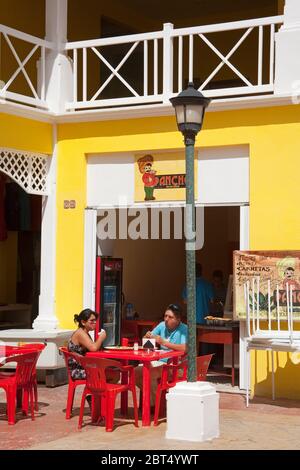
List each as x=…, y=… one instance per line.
x=198, y=270
x=175, y=309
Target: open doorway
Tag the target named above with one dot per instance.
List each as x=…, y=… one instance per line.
x=20, y=249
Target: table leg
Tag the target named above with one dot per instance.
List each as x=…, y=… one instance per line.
x=124, y=395
x=146, y=420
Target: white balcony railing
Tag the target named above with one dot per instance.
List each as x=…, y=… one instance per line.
x=171, y=54
x=145, y=68
x=36, y=54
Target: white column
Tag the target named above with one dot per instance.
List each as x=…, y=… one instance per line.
x=287, y=68
x=244, y=245
x=90, y=251
x=59, y=74
x=46, y=320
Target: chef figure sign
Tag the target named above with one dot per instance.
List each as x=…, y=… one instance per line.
x=149, y=177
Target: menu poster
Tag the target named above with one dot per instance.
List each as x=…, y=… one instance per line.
x=268, y=272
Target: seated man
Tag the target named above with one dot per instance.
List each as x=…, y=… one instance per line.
x=170, y=334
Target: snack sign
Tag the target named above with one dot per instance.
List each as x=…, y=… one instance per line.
x=161, y=177
x=274, y=272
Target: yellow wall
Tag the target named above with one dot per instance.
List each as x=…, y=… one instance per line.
x=25, y=134
x=271, y=134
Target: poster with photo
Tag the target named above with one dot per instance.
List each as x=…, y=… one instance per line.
x=279, y=269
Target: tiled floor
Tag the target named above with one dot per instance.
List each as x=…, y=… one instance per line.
x=264, y=425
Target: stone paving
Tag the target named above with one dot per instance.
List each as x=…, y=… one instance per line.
x=264, y=425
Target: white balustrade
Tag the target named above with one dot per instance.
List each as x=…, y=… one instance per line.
x=150, y=67
x=36, y=84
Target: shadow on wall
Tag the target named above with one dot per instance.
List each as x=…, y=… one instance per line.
x=287, y=374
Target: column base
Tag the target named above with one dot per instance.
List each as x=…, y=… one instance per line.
x=192, y=412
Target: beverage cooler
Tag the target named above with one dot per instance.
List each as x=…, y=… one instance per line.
x=108, y=300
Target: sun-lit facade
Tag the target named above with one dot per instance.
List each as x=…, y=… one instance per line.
x=85, y=88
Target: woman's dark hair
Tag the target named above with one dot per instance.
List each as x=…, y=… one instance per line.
x=84, y=315
x=175, y=309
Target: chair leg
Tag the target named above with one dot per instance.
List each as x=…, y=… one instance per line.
x=157, y=405
x=31, y=403
x=36, y=403
x=84, y=393
x=11, y=404
x=70, y=399
x=25, y=401
x=110, y=410
x=135, y=407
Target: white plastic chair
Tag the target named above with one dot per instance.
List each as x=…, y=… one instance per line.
x=270, y=339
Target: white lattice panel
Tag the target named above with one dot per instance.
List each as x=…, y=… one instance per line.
x=29, y=170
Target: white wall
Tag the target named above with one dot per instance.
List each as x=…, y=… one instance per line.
x=109, y=178
x=223, y=175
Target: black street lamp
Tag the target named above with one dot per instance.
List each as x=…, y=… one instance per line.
x=190, y=107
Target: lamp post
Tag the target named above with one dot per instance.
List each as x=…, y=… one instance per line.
x=190, y=107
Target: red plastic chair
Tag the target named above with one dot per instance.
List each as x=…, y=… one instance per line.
x=21, y=379
x=174, y=373
x=15, y=350
x=35, y=347
x=99, y=388
x=202, y=366
x=73, y=383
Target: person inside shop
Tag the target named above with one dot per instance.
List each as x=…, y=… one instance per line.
x=170, y=334
x=81, y=342
x=204, y=295
x=219, y=291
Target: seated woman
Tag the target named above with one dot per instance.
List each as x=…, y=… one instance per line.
x=81, y=342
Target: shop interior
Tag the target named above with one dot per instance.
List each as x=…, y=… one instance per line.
x=154, y=270
x=20, y=248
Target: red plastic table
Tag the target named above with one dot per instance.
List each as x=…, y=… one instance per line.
x=220, y=335
x=145, y=358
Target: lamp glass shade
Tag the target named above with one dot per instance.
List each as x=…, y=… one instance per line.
x=189, y=114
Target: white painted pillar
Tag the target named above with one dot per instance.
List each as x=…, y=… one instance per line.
x=287, y=69
x=244, y=245
x=90, y=251
x=59, y=74
x=46, y=319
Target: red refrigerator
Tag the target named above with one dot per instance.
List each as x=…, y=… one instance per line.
x=108, y=302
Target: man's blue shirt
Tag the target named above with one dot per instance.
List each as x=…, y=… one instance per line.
x=204, y=295
x=177, y=336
